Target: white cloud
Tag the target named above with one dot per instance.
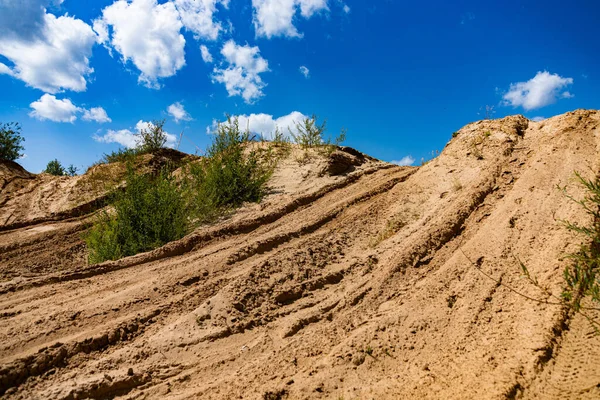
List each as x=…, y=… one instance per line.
x=48, y=107
x=101, y=29
x=197, y=16
x=147, y=34
x=206, y=56
x=242, y=75
x=538, y=119
x=404, y=161
x=4, y=69
x=97, y=114
x=541, y=90
x=177, y=111
x=276, y=17
x=310, y=7
x=304, y=71
x=124, y=137
x=128, y=138
x=346, y=9
x=54, y=56
x=265, y=124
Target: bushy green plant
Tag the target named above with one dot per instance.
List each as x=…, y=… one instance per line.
x=582, y=276
x=10, y=141
x=310, y=134
x=54, y=167
x=72, y=170
x=120, y=155
x=149, y=140
x=153, y=137
x=150, y=212
x=231, y=173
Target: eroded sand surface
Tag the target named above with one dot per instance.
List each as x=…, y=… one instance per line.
x=353, y=286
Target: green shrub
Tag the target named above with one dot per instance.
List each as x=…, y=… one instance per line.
x=310, y=134
x=154, y=210
x=149, y=140
x=72, y=170
x=121, y=155
x=150, y=212
x=153, y=138
x=54, y=167
x=230, y=174
x=10, y=141
x=581, y=277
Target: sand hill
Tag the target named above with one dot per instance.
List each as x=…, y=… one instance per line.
x=353, y=279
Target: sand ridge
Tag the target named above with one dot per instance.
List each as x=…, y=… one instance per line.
x=359, y=285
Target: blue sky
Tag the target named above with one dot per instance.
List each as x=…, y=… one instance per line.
x=82, y=76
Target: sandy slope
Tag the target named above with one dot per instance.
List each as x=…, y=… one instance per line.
x=362, y=285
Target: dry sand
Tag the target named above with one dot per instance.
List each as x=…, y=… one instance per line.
x=360, y=285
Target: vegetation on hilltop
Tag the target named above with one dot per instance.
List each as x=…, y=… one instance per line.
x=11, y=140
x=153, y=210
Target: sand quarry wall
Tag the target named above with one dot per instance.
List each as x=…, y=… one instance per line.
x=378, y=282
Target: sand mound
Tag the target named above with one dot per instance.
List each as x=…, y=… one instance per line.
x=346, y=282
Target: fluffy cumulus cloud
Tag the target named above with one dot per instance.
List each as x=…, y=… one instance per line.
x=265, y=124
x=241, y=76
x=541, y=90
x=147, y=34
x=305, y=71
x=177, y=111
x=206, y=56
x=197, y=16
x=44, y=51
x=49, y=108
x=128, y=138
x=276, y=17
x=97, y=114
x=404, y=161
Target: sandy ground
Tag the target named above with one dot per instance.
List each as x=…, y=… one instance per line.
x=367, y=284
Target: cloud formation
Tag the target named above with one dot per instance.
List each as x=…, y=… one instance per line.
x=197, y=17
x=46, y=52
x=49, y=108
x=241, y=77
x=147, y=34
x=128, y=138
x=97, y=114
x=404, y=161
x=274, y=18
x=304, y=71
x=265, y=124
x=206, y=56
x=541, y=90
x=177, y=111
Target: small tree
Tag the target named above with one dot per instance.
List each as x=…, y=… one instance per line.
x=10, y=141
x=54, y=167
x=152, y=138
x=72, y=170
x=309, y=134
x=230, y=173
